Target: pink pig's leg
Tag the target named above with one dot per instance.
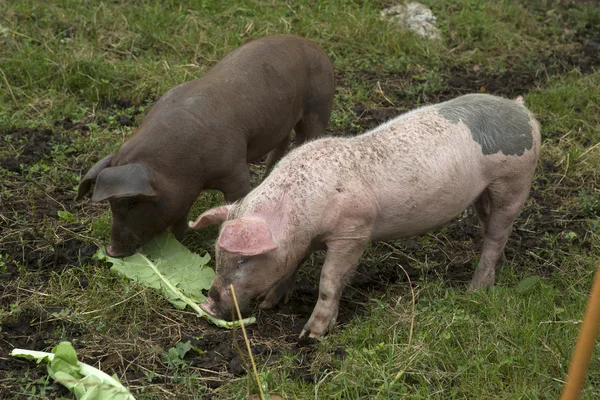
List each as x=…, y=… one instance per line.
x=340, y=263
x=482, y=209
x=505, y=200
x=282, y=289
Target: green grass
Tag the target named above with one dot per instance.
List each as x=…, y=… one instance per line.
x=78, y=67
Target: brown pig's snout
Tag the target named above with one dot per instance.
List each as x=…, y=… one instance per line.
x=124, y=241
x=113, y=252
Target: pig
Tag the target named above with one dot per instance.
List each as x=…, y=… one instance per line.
x=201, y=135
x=406, y=177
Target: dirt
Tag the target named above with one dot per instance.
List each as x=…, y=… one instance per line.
x=31, y=332
x=30, y=146
x=28, y=247
x=583, y=54
x=276, y=330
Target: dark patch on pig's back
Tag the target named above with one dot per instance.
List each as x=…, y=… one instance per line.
x=495, y=123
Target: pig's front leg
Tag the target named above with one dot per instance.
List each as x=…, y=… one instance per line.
x=236, y=185
x=178, y=228
x=283, y=288
x=340, y=263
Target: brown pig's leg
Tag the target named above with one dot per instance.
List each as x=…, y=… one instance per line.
x=340, y=263
x=236, y=185
x=311, y=126
x=276, y=154
x=179, y=227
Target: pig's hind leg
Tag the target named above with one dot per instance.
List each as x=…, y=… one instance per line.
x=310, y=127
x=497, y=209
x=276, y=154
x=482, y=209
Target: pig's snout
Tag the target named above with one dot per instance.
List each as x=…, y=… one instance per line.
x=219, y=303
x=214, y=293
x=123, y=243
x=209, y=307
x=114, y=252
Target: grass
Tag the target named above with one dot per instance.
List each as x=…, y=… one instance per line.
x=77, y=77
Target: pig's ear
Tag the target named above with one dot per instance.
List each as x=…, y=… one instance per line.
x=214, y=216
x=130, y=180
x=88, y=180
x=246, y=237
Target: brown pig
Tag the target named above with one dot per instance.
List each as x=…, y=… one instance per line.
x=201, y=135
x=410, y=175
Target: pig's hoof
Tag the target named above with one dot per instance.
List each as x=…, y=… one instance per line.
x=477, y=285
x=267, y=304
x=308, y=338
x=482, y=279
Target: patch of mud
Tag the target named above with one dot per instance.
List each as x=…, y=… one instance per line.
x=34, y=256
x=29, y=146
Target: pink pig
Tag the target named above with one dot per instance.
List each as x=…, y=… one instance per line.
x=407, y=177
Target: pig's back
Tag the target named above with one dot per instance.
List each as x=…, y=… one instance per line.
x=275, y=71
x=420, y=169
x=428, y=165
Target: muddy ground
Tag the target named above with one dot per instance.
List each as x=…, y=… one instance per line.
x=41, y=253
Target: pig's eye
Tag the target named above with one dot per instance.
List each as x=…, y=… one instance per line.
x=241, y=261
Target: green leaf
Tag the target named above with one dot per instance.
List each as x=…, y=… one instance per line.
x=173, y=353
x=528, y=284
x=166, y=265
x=95, y=384
x=66, y=216
x=182, y=348
x=65, y=352
x=68, y=381
x=58, y=365
x=37, y=356
x=185, y=270
x=64, y=362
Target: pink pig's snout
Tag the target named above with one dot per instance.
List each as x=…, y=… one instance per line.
x=219, y=303
x=209, y=307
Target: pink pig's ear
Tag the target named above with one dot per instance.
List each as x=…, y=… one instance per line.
x=214, y=216
x=246, y=237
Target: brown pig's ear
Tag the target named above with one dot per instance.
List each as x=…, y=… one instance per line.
x=214, y=216
x=246, y=237
x=130, y=180
x=88, y=180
